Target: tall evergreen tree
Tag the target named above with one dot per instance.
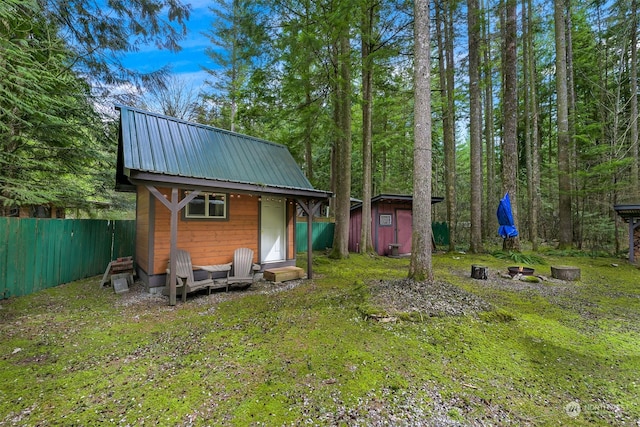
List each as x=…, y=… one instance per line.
x=510, y=113
x=564, y=146
x=531, y=125
x=50, y=138
x=342, y=116
x=633, y=89
x=445, y=34
x=490, y=220
x=420, y=267
x=100, y=33
x=236, y=36
x=475, y=124
x=369, y=19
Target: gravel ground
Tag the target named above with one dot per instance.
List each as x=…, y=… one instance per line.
x=420, y=408
x=139, y=297
x=430, y=299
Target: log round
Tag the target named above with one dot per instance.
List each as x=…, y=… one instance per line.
x=479, y=272
x=564, y=272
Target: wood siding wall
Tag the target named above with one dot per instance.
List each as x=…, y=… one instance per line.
x=142, y=228
x=383, y=236
x=355, y=225
x=208, y=241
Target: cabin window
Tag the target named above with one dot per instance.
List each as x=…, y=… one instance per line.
x=207, y=205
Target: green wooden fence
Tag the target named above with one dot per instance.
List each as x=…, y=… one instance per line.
x=41, y=253
x=321, y=234
x=440, y=233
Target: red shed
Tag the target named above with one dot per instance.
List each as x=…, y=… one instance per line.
x=391, y=224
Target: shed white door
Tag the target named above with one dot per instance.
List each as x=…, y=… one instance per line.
x=272, y=229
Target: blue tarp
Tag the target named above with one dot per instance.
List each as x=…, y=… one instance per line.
x=505, y=218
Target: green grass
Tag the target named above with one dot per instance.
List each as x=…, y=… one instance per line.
x=73, y=356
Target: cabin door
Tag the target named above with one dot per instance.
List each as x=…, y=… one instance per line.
x=272, y=229
x=404, y=230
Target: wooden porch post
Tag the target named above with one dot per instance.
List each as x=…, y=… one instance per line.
x=173, y=246
x=175, y=206
x=310, y=207
x=631, y=241
x=633, y=224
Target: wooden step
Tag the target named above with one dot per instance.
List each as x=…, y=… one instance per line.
x=282, y=274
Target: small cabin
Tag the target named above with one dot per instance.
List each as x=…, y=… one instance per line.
x=391, y=224
x=208, y=191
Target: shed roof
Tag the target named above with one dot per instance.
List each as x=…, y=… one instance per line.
x=395, y=198
x=158, y=148
x=628, y=212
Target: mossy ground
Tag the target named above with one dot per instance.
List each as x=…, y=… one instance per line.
x=73, y=355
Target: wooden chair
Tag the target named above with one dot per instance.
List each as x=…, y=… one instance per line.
x=184, y=275
x=244, y=270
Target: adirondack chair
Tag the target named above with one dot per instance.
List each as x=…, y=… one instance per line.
x=184, y=275
x=244, y=270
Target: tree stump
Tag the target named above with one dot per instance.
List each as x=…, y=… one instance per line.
x=564, y=272
x=479, y=272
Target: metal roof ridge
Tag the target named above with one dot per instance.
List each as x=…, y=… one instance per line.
x=195, y=124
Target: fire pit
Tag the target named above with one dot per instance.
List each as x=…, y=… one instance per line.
x=525, y=271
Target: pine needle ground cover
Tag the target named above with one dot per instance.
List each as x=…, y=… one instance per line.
x=358, y=345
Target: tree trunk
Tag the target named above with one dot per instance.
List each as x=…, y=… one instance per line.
x=368, y=19
x=420, y=267
x=526, y=94
x=534, y=197
x=308, y=130
x=475, y=125
x=343, y=149
x=510, y=106
x=634, y=100
x=571, y=123
x=564, y=179
x=450, y=130
x=490, y=220
x=446, y=98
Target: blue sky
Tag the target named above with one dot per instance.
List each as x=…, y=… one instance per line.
x=189, y=61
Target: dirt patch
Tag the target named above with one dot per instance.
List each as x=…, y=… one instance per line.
x=431, y=299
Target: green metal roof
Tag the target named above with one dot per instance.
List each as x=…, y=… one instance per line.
x=155, y=144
